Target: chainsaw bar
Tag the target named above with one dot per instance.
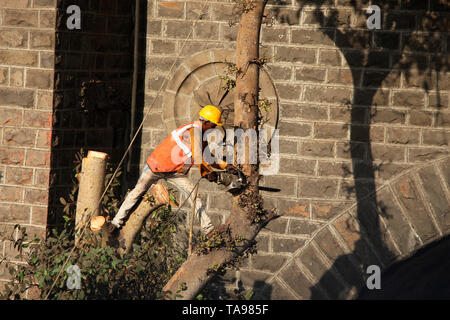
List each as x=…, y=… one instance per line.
x=269, y=189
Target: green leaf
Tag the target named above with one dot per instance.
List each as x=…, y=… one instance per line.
x=115, y=262
x=249, y=295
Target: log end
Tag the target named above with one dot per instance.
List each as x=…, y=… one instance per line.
x=97, y=154
x=97, y=223
x=160, y=193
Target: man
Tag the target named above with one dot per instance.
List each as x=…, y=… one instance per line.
x=171, y=160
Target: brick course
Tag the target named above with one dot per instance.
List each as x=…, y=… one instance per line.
x=27, y=31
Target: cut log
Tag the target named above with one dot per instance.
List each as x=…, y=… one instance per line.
x=136, y=221
x=92, y=182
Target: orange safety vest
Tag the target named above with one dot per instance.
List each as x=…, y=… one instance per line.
x=174, y=152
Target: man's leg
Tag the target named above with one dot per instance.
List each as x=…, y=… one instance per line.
x=146, y=179
x=186, y=186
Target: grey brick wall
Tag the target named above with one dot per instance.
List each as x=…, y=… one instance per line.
x=357, y=108
x=60, y=90
x=27, y=37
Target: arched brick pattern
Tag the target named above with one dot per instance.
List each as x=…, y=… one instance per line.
x=413, y=209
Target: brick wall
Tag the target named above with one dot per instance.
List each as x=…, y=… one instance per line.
x=357, y=109
x=363, y=118
x=92, y=87
x=60, y=90
x=27, y=29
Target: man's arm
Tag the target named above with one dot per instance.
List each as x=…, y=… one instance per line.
x=205, y=168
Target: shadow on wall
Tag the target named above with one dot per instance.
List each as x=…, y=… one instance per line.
x=92, y=97
x=375, y=50
x=423, y=276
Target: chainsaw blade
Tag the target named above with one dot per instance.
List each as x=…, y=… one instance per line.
x=269, y=189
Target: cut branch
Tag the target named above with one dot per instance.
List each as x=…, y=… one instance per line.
x=159, y=197
x=156, y=197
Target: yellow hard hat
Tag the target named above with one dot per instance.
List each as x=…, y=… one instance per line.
x=212, y=114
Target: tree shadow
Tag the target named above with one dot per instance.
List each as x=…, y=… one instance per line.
x=374, y=57
x=422, y=276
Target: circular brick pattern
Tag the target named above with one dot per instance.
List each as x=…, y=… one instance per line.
x=197, y=82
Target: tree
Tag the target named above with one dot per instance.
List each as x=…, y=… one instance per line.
x=230, y=241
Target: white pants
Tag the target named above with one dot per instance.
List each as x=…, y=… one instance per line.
x=147, y=178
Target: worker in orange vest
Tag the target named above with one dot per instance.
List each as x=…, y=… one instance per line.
x=171, y=160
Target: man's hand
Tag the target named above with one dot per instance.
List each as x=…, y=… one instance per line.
x=212, y=176
x=110, y=228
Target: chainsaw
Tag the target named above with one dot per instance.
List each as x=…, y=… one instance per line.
x=235, y=181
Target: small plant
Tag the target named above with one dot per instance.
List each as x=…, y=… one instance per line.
x=229, y=83
x=229, y=77
x=247, y=296
x=253, y=204
x=104, y=274
x=205, y=243
x=217, y=269
x=265, y=105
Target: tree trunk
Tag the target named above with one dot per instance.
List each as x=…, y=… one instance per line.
x=92, y=182
x=196, y=270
